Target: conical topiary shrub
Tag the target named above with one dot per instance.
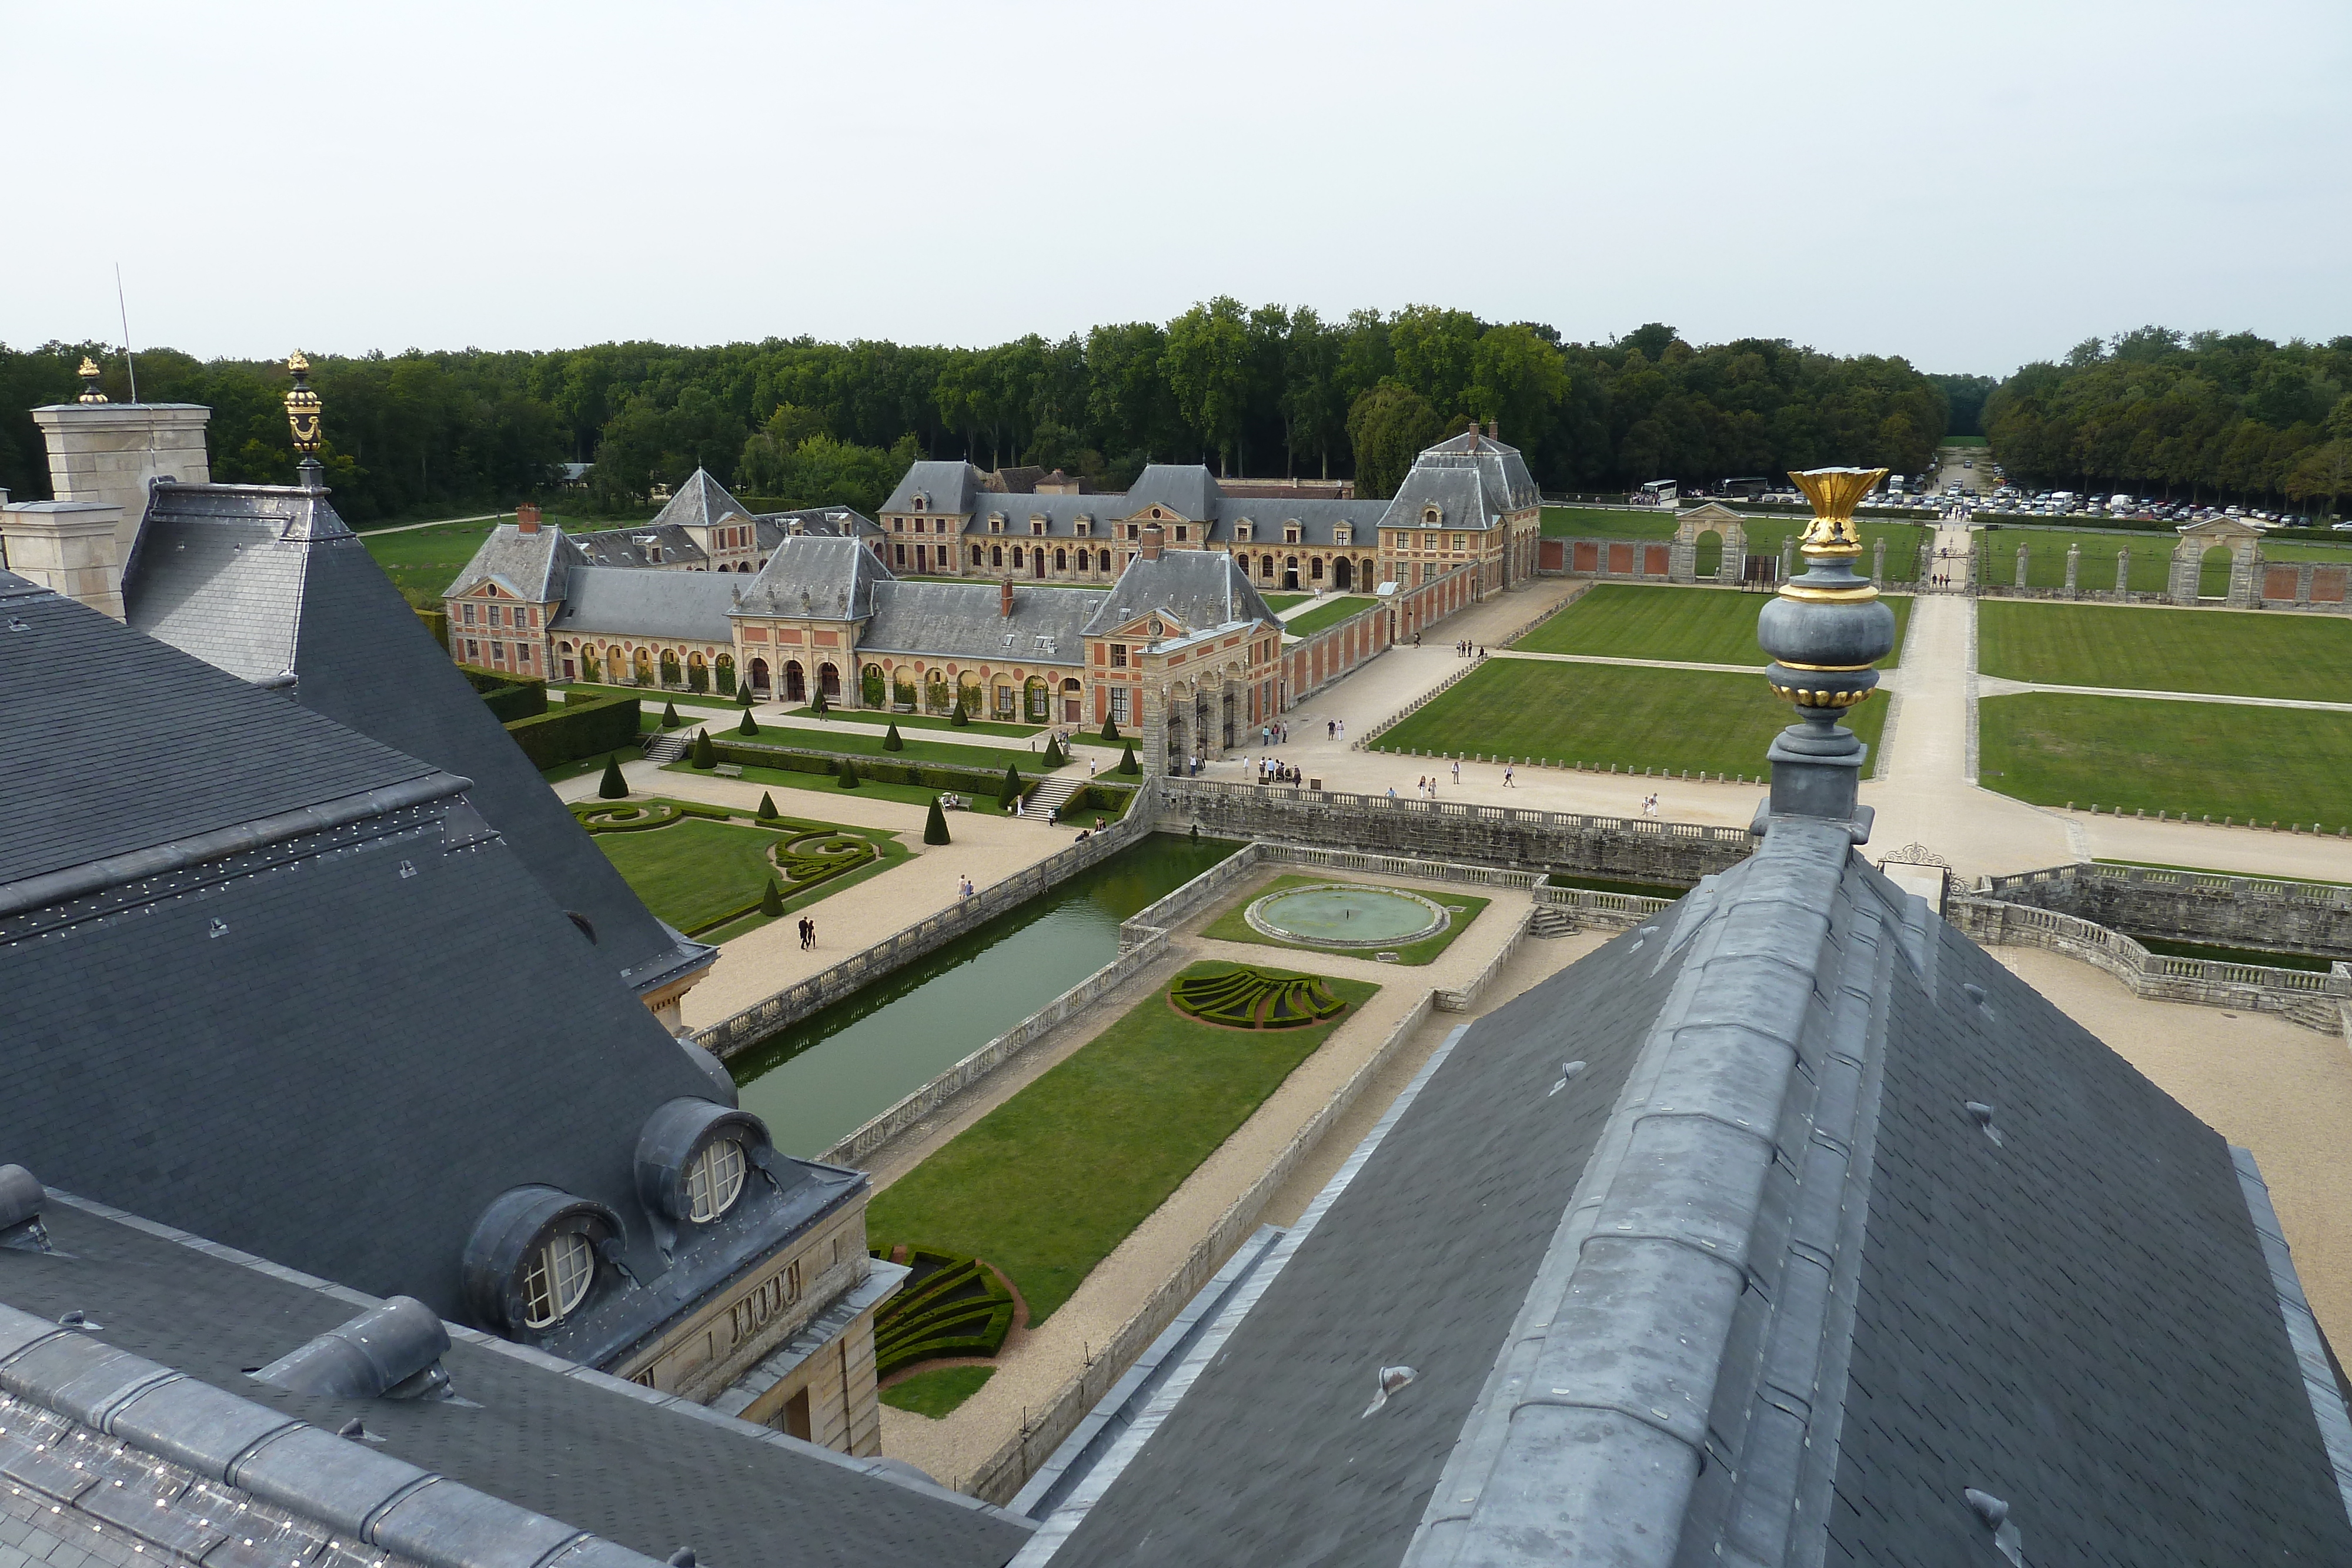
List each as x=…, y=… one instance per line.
x=767, y=806
x=745, y=696
x=612, y=787
x=848, y=778
x=772, y=903
x=669, y=715
x=819, y=706
x=704, y=754
x=935, y=826
x=1011, y=791
x=749, y=726
x=891, y=742
x=959, y=718
x=1126, y=762
x=1054, y=755
x=1110, y=731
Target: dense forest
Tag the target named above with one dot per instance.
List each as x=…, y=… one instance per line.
x=2203, y=417
x=1263, y=391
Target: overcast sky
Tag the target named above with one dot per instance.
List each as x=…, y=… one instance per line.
x=1969, y=186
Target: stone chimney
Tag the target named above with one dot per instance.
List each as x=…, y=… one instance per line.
x=526, y=517
x=68, y=547
x=1151, y=538
x=1494, y=430
x=108, y=453
x=1005, y=598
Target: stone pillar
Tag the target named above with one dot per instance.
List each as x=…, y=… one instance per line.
x=68, y=547
x=2073, y=568
x=1682, y=561
x=2245, y=588
x=1878, y=562
x=1927, y=565
x=2022, y=554
x=2122, y=576
x=1788, y=558
x=108, y=453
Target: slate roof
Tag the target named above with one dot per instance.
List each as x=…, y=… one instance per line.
x=1502, y=471
x=656, y=547
x=950, y=488
x=1754, y=1285
x=1187, y=489
x=1200, y=588
x=1317, y=521
x=531, y=566
x=303, y=1001
x=1060, y=513
x=692, y=606
x=827, y=578
x=824, y=522
x=699, y=503
x=965, y=621
x=240, y=575
x=643, y=1471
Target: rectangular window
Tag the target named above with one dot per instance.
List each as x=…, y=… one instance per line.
x=902, y=554
x=473, y=652
x=1180, y=533
x=898, y=525
x=1118, y=705
x=1118, y=655
x=466, y=611
x=1461, y=541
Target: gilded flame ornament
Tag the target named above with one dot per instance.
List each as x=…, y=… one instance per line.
x=302, y=408
x=88, y=373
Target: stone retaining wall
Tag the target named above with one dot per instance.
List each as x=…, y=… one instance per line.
x=2322, y=1002
x=2190, y=906
x=1633, y=849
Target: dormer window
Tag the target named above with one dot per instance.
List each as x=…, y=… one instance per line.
x=919, y=503
x=1430, y=517
x=1083, y=528
x=557, y=1280
x=715, y=1180
x=1343, y=535
x=996, y=522
x=1037, y=525
x=1290, y=533
x=1241, y=530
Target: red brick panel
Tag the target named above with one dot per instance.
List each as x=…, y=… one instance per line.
x=2327, y=584
x=1621, y=558
x=1654, y=561
x=1588, y=555
x=2278, y=582
x=1550, y=555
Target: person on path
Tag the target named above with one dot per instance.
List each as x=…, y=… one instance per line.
x=1506, y=778
x=1330, y=729
x=1457, y=770
x=812, y=933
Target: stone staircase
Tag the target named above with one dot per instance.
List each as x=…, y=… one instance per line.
x=1550, y=921
x=1054, y=794
x=666, y=745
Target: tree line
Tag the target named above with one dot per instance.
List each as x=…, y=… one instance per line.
x=2202, y=417
x=1269, y=391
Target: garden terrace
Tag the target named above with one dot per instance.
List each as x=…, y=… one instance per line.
x=1460, y=908
x=702, y=868
x=1699, y=625
x=2264, y=655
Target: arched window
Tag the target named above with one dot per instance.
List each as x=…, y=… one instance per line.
x=715, y=1180
x=1016, y=558
x=726, y=665
x=996, y=554
x=759, y=675
x=556, y=1280
x=1061, y=560
x=1104, y=564
x=975, y=555
x=871, y=690
x=828, y=681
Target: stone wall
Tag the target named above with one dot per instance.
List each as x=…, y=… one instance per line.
x=2190, y=906
x=1633, y=849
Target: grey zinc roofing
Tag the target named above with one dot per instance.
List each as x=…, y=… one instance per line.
x=531, y=566
x=1061, y=515
x=364, y=661
x=1789, y=1304
x=1200, y=588
x=1456, y=493
x=1317, y=520
x=697, y=503
x=631, y=601
x=672, y=549
x=950, y=488
x=965, y=621
x=1501, y=469
x=1187, y=489
x=636, y=1468
x=91, y=780
x=824, y=522
x=830, y=578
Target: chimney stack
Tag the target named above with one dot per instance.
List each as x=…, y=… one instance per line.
x=1005, y=598
x=1494, y=430
x=526, y=517
x=1151, y=536
x=108, y=453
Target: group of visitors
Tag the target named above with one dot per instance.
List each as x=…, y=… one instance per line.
x=1334, y=729
x=1273, y=735
x=1649, y=805
x=808, y=934
x=965, y=888
x=1270, y=771
x=1466, y=649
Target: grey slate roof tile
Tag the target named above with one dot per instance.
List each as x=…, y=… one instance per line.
x=828, y=578
x=699, y=502
x=1200, y=588
x=629, y=602
x=958, y=619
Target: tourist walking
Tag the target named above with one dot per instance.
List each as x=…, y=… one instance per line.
x=1506, y=778
x=1457, y=770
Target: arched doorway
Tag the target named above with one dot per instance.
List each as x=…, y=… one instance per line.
x=726, y=674
x=759, y=675
x=828, y=681
x=2213, y=572
x=1038, y=555
x=934, y=690
x=697, y=672
x=1707, y=555
x=1290, y=574
x=902, y=688
x=1071, y=712
x=795, y=683
x=870, y=689
x=669, y=666
x=641, y=666
x=1343, y=574
x=1039, y=700
x=968, y=689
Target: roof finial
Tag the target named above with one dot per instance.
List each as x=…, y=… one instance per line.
x=303, y=415
x=1824, y=631
x=88, y=373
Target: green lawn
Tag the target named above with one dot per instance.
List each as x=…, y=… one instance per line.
x=1606, y=523
x=1278, y=603
x=938, y=1392
x=2151, y=560
x=694, y=872
x=906, y=721
x=1048, y=1183
x=1330, y=615
x=2283, y=765
x=870, y=743
x=650, y=698
x=2254, y=655
x=420, y=561
x=2287, y=549
x=870, y=789
x=1233, y=926
x=1641, y=620
x=1675, y=720
x=1765, y=532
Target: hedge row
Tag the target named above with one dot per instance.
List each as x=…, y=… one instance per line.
x=437, y=622
x=952, y=1306
x=577, y=729
x=1106, y=801
x=656, y=814
x=1252, y=998
x=973, y=781
x=509, y=697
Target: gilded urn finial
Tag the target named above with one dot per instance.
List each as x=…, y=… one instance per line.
x=302, y=408
x=88, y=373
x=1825, y=630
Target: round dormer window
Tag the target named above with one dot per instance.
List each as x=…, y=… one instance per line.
x=556, y=1280
x=714, y=1180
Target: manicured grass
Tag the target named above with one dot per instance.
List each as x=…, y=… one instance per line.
x=1233, y=926
x=2286, y=549
x=868, y=788
x=1278, y=603
x=1702, y=625
x=694, y=871
x=651, y=698
x=938, y=1392
x=1606, y=523
x=2283, y=765
x=1330, y=615
x=422, y=561
x=862, y=742
x=1675, y=720
x=2254, y=655
x=2151, y=560
x=1048, y=1183
x=905, y=721
x=1765, y=532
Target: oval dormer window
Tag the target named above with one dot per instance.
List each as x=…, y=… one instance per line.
x=556, y=1280
x=714, y=1180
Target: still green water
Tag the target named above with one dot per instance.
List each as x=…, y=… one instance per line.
x=837, y=1068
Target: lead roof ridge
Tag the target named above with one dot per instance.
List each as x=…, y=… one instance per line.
x=2328, y=1410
